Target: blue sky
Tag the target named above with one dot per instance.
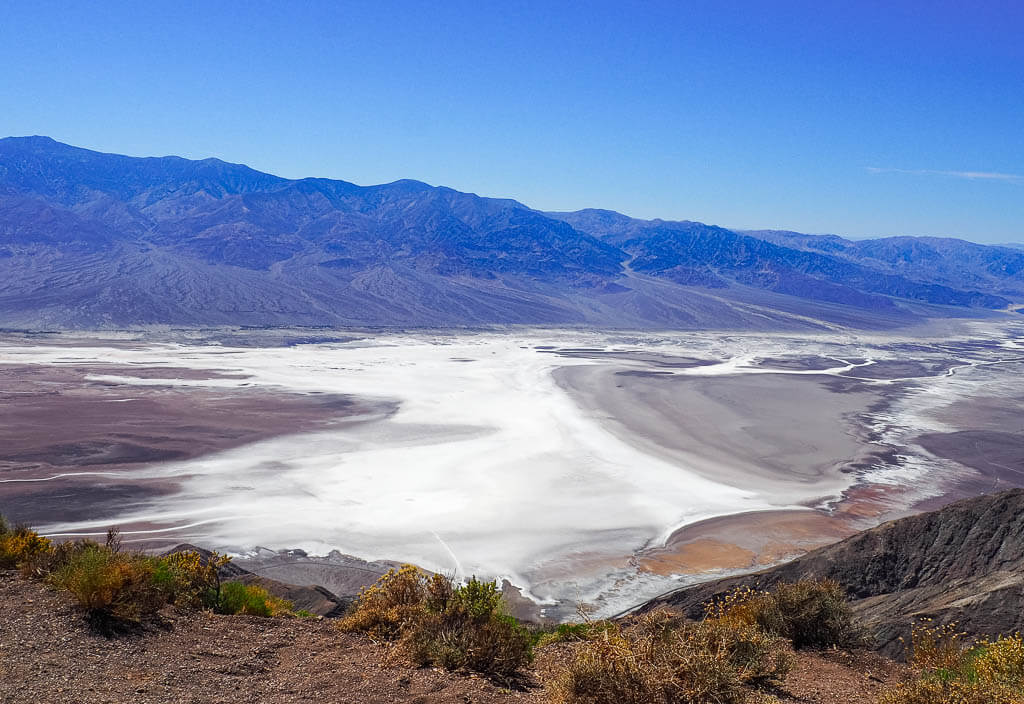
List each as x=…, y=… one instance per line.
x=858, y=118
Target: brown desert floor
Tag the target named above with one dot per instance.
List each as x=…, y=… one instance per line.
x=47, y=655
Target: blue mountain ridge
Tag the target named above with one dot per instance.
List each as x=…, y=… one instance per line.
x=98, y=240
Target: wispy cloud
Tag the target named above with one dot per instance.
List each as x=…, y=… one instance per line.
x=970, y=175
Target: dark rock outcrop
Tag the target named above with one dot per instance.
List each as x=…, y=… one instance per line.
x=312, y=598
x=963, y=563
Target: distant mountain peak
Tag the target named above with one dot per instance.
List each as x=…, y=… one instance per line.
x=89, y=238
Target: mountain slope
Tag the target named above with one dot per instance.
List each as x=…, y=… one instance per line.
x=963, y=563
x=952, y=262
x=802, y=265
x=91, y=239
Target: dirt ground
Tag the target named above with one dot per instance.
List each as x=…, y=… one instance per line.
x=48, y=655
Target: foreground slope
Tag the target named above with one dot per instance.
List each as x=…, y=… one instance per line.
x=963, y=563
x=90, y=239
x=48, y=654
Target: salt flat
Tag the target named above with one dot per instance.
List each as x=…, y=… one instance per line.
x=555, y=459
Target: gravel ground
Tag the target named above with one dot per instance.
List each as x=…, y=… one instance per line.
x=49, y=656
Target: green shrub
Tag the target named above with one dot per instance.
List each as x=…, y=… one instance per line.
x=953, y=671
x=661, y=659
x=568, y=633
x=188, y=580
x=251, y=600
x=436, y=622
x=810, y=613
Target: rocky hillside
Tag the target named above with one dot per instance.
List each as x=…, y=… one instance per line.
x=963, y=563
x=90, y=239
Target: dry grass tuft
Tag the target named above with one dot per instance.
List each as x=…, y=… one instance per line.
x=660, y=659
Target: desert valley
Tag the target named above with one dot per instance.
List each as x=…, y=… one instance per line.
x=595, y=467
x=512, y=353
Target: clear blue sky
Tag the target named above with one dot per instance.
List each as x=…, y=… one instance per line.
x=858, y=118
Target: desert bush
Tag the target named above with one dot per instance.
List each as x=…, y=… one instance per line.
x=110, y=584
x=44, y=563
x=662, y=659
x=810, y=613
x=20, y=544
x=116, y=585
x=251, y=600
x=188, y=580
x=470, y=630
x=385, y=609
x=436, y=622
x=954, y=671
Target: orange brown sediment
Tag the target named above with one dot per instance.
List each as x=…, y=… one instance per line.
x=761, y=538
x=742, y=541
x=700, y=555
x=872, y=502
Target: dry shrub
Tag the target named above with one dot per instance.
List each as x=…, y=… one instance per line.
x=660, y=659
x=20, y=545
x=938, y=648
x=952, y=671
x=116, y=587
x=810, y=613
x=42, y=564
x=435, y=622
x=385, y=609
x=110, y=585
x=113, y=585
x=467, y=627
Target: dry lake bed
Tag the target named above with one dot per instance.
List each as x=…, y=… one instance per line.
x=595, y=467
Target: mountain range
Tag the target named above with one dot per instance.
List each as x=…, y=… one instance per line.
x=89, y=239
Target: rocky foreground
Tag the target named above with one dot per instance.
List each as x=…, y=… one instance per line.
x=962, y=564
x=48, y=654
